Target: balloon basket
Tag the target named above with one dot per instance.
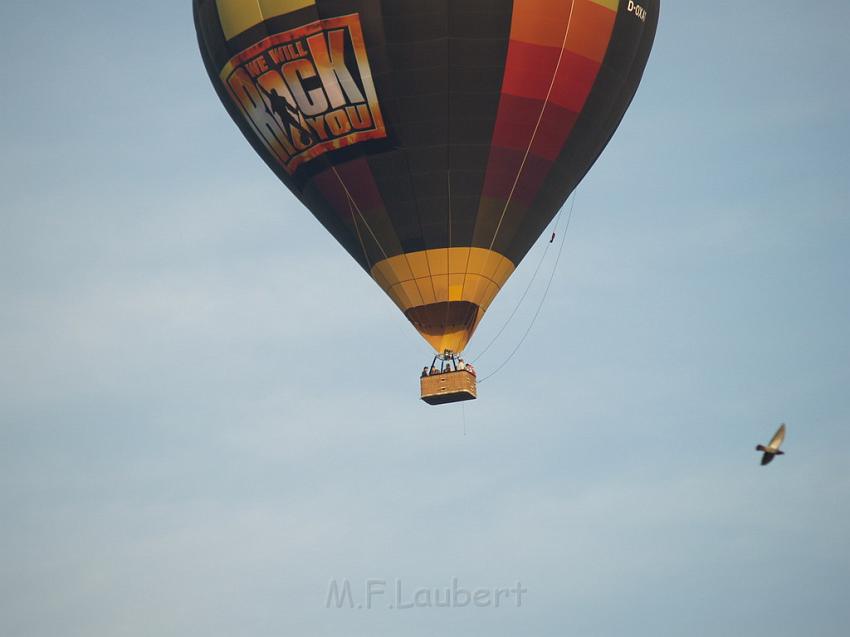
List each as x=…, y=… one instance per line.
x=449, y=387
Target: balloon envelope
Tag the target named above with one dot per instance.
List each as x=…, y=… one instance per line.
x=435, y=139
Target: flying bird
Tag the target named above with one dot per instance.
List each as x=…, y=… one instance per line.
x=772, y=449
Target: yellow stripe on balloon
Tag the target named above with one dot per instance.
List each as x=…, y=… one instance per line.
x=240, y=15
x=610, y=4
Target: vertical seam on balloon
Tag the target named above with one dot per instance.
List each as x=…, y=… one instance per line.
x=359, y=236
x=448, y=167
x=449, y=249
x=374, y=237
x=265, y=30
x=418, y=221
x=357, y=208
x=449, y=171
x=470, y=321
x=418, y=216
x=537, y=126
x=404, y=155
x=262, y=17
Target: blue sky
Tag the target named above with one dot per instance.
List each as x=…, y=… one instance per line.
x=196, y=436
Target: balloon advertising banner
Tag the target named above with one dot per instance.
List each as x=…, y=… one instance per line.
x=299, y=119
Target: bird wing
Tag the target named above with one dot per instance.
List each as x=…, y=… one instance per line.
x=766, y=458
x=778, y=437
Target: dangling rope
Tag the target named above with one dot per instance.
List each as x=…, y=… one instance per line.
x=537, y=125
x=542, y=300
x=351, y=202
x=534, y=133
x=463, y=408
x=527, y=289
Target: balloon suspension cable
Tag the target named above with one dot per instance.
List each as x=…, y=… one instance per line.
x=530, y=282
x=534, y=133
x=542, y=300
x=353, y=204
x=449, y=361
x=536, y=126
x=449, y=233
x=463, y=412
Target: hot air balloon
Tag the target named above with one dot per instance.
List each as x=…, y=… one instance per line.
x=435, y=139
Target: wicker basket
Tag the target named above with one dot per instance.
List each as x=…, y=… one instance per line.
x=449, y=387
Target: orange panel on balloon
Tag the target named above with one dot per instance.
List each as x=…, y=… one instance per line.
x=542, y=22
x=591, y=27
